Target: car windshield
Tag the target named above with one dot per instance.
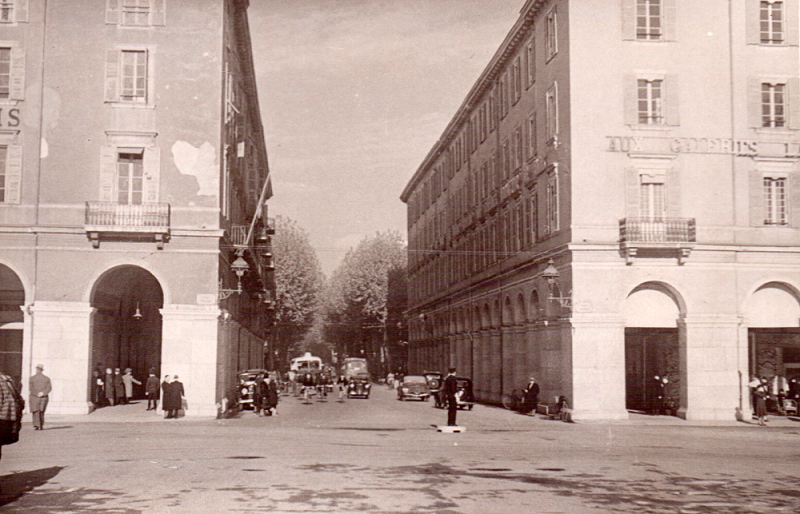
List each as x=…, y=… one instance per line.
x=414, y=380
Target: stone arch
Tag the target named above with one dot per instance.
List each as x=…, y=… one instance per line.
x=773, y=304
x=496, y=313
x=12, y=299
x=486, y=318
x=508, y=312
x=535, y=309
x=653, y=304
x=521, y=310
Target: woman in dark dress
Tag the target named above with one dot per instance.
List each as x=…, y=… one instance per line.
x=760, y=395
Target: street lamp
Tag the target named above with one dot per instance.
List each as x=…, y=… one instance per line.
x=239, y=266
x=552, y=276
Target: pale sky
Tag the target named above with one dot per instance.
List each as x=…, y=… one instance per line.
x=353, y=95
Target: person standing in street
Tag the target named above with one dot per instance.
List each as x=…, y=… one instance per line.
x=109, y=387
x=173, y=394
x=119, y=387
x=530, y=396
x=450, y=391
x=129, y=380
x=11, y=406
x=40, y=387
x=151, y=390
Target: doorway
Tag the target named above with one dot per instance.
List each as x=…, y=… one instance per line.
x=651, y=352
x=126, y=324
x=12, y=298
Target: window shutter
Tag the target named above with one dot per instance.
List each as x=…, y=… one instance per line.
x=753, y=13
x=152, y=174
x=17, y=85
x=632, y=192
x=630, y=107
x=756, y=199
x=670, y=20
x=21, y=8
x=792, y=23
x=112, y=12
x=629, y=20
x=793, y=85
x=794, y=200
x=673, y=193
x=672, y=100
x=754, y=102
x=108, y=172
x=158, y=15
x=112, y=76
x=13, y=174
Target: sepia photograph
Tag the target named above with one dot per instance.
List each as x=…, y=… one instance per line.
x=400, y=256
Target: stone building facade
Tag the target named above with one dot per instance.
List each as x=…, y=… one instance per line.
x=133, y=187
x=649, y=150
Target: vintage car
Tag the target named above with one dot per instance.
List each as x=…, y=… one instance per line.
x=246, y=388
x=465, y=398
x=358, y=386
x=413, y=386
x=434, y=379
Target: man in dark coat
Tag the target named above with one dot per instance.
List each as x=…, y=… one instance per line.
x=173, y=394
x=119, y=387
x=450, y=390
x=39, y=387
x=151, y=389
x=530, y=396
x=109, y=387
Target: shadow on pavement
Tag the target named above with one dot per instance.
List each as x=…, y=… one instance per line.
x=14, y=486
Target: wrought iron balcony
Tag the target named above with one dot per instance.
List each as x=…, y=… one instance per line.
x=125, y=221
x=657, y=236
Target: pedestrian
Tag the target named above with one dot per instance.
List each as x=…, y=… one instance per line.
x=172, y=399
x=11, y=407
x=97, y=387
x=119, y=387
x=342, y=383
x=109, y=386
x=778, y=388
x=128, y=380
x=450, y=391
x=760, y=395
x=657, y=396
x=151, y=390
x=39, y=387
x=530, y=396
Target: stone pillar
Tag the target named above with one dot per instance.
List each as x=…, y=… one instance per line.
x=710, y=364
x=597, y=366
x=60, y=333
x=189, y=350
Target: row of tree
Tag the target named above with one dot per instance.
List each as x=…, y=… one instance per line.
x=357, y=312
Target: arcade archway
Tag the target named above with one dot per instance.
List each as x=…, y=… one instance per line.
x=12, y=298
x=126, y=324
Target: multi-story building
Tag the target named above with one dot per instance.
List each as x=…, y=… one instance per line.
x=649, y=150
x=133, y=182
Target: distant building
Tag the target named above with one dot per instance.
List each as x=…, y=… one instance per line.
x=650, y=149
x=133, y=181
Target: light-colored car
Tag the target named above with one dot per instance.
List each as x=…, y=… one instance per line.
x=413, y=387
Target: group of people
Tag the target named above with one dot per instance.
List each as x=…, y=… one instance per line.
x=115, y=388
x=266, y=399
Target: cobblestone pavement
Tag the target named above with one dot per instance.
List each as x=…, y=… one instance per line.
x=383, y=455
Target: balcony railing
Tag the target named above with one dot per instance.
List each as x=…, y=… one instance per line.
x=133, y=219
x=657, y=235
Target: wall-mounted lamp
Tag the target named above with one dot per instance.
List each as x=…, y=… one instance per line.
x=239, y=266
x=553, y=290
x=138, y=314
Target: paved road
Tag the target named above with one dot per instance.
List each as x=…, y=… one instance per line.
x=382, y=455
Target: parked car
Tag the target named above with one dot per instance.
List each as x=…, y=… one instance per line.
x=246, y=388
x=434, y=379
x=465, y=398
x=358, y=386
x=414, y=386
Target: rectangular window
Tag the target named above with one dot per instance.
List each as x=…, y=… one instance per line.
x=551, y=103
x=519, y=149
x=5, y=72
x=551, y=36
x=532, y=135
x=517, y=72
x=531, y=75
x=649, y=19
x=6, y=11
x=651, y=200
x=771, y=21
x=506, y=160
x=3, y=157
x=130, y=178
x=552, y=203
x=650, y=103
x=136, y=12
x=775, y=201
x=534, y=217
x=773, y=105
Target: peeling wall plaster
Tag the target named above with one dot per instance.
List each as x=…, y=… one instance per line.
x=200, y=163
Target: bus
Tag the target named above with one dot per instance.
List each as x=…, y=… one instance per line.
x=306, y=363
x=354, y=366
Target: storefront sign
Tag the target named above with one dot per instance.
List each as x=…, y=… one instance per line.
x=9, y=118
x=703, y=145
